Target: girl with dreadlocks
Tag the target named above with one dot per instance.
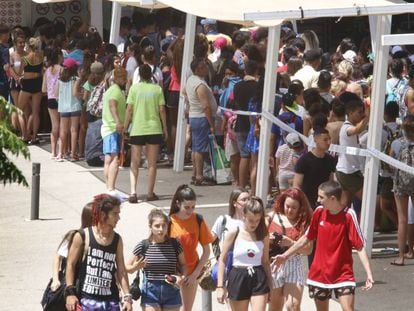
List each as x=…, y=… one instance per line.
x=99, y=249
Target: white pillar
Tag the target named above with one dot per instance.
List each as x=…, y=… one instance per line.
x=373, y=30
x=268, y=104
x=115, y=23
x=383, y=26
x=96, y=15
x=179, y=150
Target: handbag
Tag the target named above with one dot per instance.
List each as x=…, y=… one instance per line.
x=134, y=289
x=274, y=246
x=54, y=300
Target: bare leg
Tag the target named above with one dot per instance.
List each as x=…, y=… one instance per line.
x=82, y=132
x=402, y=211
x=239, y=305
x=244, y=171
x=253, y=173
x=387, y=207
x=54, y=134
x=347, y=302
x=198, y=162
x=234, y=166
x=36, y=102
x=74, y=130
x=258, y=302
x=293, y=296
x=63, y=134
x=112, y=162
x=152, y=154
x=134, y=169
x=322, y=305
x=188, y=293
x=276, y=299
x=23, y=102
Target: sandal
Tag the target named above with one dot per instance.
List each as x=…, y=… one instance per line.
x=133, y=198
x=204, y=182
x=152, y=197
x=395, y=263
x=59, y=158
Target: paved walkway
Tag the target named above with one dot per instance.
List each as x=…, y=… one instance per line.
x=27, y=247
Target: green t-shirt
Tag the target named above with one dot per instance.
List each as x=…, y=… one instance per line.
x=108, y=122
x=146, y=99
x=88, y=87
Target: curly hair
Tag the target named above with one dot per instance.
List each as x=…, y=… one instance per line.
x=103, y=203
x=305, y=211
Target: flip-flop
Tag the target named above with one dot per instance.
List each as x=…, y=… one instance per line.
x=394, y=263
x=153, y=197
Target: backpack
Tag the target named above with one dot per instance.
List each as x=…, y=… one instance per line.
x=391, y=136
x=95, y=102
x=404, y=182
x=397, y=93
x=216, y=243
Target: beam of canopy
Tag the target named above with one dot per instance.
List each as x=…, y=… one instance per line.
x=148, y=4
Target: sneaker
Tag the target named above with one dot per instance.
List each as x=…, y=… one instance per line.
x=118, y=195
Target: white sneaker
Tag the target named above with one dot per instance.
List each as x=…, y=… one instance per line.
x=118, y=194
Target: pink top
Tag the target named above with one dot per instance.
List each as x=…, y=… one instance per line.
x=52, y=80
x=175, y=83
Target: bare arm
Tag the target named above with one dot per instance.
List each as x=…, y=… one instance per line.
x=298, y=180
x=75, y=253
x=363, y=256
x=266, y=263
x=163, y=117
x=360, y=127
x=114, y=112
x=122, y=275
x=135, y=263
x=55, y=275
x=281, y=259
x=128, y=115
x=228, y=241
x=44, y=83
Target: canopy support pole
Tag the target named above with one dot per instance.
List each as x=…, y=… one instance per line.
x=268, y=104
x=383, y=26
x=179, y=152
x=115, y=23
x=96, y=15
x=373, y=30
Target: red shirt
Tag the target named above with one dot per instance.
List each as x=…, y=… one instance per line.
x=335, y=236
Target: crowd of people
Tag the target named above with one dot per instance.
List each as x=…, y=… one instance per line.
x=105, y=99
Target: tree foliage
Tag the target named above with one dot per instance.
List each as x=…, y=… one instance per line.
x=10, y=145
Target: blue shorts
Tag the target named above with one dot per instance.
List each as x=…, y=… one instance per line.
x=200, y=129
x=97, y=305
x=241, y=143
x=159, y=294
x=112, y=143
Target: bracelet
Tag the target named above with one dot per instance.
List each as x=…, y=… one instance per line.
x=128, y=297
x=70, y=290
x=219, y=286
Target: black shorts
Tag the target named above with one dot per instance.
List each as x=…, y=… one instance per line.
x=173, y=98
x=143, y=140
x=32, y=86
x=243, y=283
x=52, y=103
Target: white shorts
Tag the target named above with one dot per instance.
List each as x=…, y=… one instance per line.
x=291, y=272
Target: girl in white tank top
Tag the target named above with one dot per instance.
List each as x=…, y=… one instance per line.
x=250, y=272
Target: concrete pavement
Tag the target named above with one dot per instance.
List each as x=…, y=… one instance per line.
x=27, y=247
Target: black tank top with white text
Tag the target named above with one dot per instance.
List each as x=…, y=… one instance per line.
x=99, y=270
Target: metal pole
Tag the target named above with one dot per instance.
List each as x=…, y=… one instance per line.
x=206, y=300
x=34, y=212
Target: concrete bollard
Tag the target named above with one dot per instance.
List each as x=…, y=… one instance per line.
x=34, y=211
x=206, y=300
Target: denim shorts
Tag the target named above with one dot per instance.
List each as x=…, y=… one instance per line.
x=159, y=294
x=112, y=143
x=241, y=144
x=87, y=304
x=70, y=114
x=200, y=129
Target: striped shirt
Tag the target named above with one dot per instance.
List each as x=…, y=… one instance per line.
x=161, y=258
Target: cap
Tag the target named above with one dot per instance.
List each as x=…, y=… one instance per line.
x=311, y=55
x=350, y=56
x=208, y=21
x=97, y=67
x=70, y=63
x=220, y=43
x=395, y=49
x=293, y=140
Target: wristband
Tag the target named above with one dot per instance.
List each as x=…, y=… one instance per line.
x=128, y=297
x=70, y=290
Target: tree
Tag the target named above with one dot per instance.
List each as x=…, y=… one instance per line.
x=10, y=145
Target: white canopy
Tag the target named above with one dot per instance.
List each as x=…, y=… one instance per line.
x=238, y=11
x=49, y=1
x=148, y=4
